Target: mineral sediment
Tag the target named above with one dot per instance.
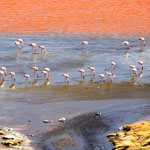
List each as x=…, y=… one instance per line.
x=9, y=139
x=132, y=137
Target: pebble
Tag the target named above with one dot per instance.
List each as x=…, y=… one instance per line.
x=98, y=114
x=62, y=119
x=47, y=121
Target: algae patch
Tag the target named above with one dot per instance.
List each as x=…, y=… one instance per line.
x=9, y=139
x=132, y=137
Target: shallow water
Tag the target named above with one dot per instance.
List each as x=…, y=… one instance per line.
x=25, y=106
x=64, y=55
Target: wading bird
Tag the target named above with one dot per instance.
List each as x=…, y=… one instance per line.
x=134, y=71
x=3, y=75
x=42, y=47
x=141, y=64
x=4, y=69
x=102, y=76
x=48, y=70
x=13, y=76
x=45, y=74
x=18, y=44
x=142, y=40
x=36, y=70
x=126, y=43
x=33, y=47
x=21, y=42
x=113, y=64
x=82, y=73
x=27, y=78
x=84, y=43
x=92, y=70
x=109, y=75
x=66, y=78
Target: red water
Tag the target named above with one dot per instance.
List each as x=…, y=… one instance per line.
x=123, y=17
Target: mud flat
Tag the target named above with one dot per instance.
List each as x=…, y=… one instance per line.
x=89, y=131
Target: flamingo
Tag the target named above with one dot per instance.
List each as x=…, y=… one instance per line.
x=109, y=75
x=135, y=71
x=126, y=43
x=84, y=43
x=92, y=70
x=113, y=64
x=35, y=70
x=131, y=66
x=102, y=76
x=45, y=74
x=18, y=44
x=66, y=78
x=82, y=73
x=3, y=74
x=33, y=47
x=140, y=63
x=27, y=77
x=21, y=42
x=4, y=69
x=13, y=75
x=42, y=47
x=142, y=39
x=48, y=70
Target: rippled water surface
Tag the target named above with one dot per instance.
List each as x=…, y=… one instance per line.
x=80, y=16
x=64, y=55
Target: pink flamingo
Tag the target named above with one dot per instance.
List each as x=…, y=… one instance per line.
x=102, y=76
x=5, y=70
x=109, y=75
x=33, y=47
x=126, y=43
x=18, y=44
x=84, y=43
x=21, y=42
x=113, y=64
x=82, y=73
x=131, y=67
x=13, y=75
x=45, y=74
x=135, y=71
x=142, y=39
x=66, y=78
x=35, y=70
x=48, y=70
x=27, y=77
x=140, y=63
x=42, y=47
x=3, y=74
x=92, y=70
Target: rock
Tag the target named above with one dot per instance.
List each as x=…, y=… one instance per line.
x=11, y=142
x=111, y=135
x=98, y=114
x=62, y=119
x=9, y=137
x=47, y=121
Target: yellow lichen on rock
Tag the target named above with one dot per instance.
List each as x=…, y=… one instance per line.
x=133, y=137
x=10, y=139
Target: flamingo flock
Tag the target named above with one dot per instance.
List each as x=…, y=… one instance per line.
x=106, y=76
